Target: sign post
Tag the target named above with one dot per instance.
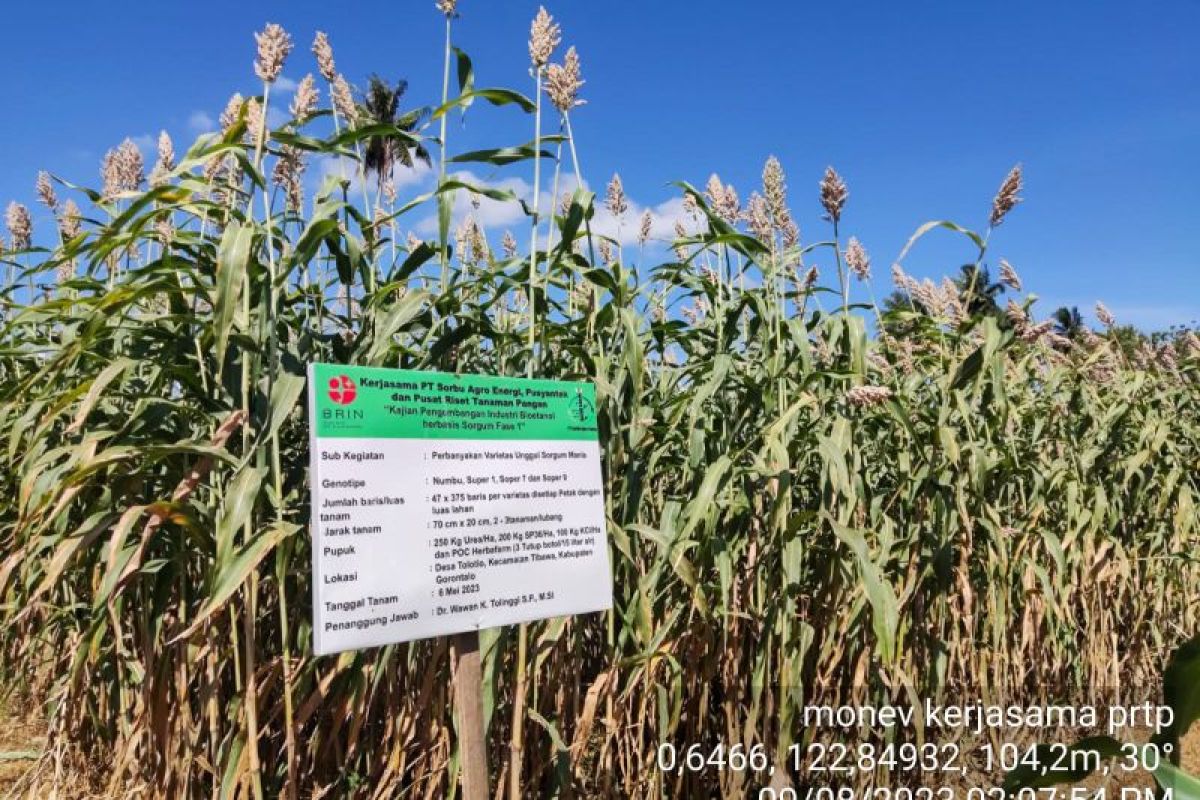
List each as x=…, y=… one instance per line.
x=468, y=693
x=443, y=504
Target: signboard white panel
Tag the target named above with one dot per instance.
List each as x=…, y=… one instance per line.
x=447, y=503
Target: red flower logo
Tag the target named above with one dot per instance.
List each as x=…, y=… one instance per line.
x=342, y=390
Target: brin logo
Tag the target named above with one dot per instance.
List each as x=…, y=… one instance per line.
x=342, y=390
x=580, y=408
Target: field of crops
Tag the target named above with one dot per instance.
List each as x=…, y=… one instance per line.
x=812, y=497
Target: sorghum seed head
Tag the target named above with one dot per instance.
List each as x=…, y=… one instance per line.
x=789, y=231
x=1191, y=343
x=563, y=82
x=1104, y=315
x=304, y=101
x=255, y=122
x=343, y=100
x=758, y=216
x=65, y=272
x=69, y=220
x=123, y=169
x=1007, y=197
x=1168, y=358
x=165, y=229
x=462, y=238
x=165, y=161
x=1089, y=340
x=1009, y=276
x=1031, y=333
x=45, y=191
x=20, y=225
x=233, y=109
x=288, y=173
x=606, y=253
x=644, y=228
x=952, y=305
x=447, y=7
x=723, y=199
x=479, y=243
x=614, y=199
x=324, y=53
x=544, y=36
x=509, y=244
x=810, y=278
x=274, y=44
x=1144, y=355
x=775, y=189
x=1017, y=316
x=714, y=190
x=689, y=205
x=881, y=364
x=866, y=396
x=857, y=259
x=680, y=233
x=926, y=295
x=166, y=151
x=833, y=194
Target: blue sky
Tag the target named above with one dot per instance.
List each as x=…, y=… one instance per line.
x=923, y=107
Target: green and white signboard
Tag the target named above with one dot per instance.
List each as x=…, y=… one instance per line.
x=448, y=503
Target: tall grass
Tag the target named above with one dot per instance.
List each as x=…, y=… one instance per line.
x=970, y=505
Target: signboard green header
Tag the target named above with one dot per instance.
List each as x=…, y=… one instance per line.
x=378, y=403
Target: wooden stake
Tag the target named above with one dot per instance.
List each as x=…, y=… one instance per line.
x=468, y=701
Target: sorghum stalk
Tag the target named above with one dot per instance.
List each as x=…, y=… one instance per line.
x=442, y=198
x=587, y=224
x=537, y=184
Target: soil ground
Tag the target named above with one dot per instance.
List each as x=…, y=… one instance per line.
x=22, y=738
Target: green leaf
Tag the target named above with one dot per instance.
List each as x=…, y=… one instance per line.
x=423, y=252
x=235, y=573
x=233, y=262
x=941, y=223
x=885, y=615
x=495, y=96
x=1181, y=690
x=1182, y=785
x=501, y=155
x=240, y=497
x=285, y=393
x=397, y=317
x=98, y=385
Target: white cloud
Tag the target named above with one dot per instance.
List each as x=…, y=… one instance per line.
x=490, y=214
x=494, y=215
x=663, y=217
x=348, y=169
x=416, y=175
x=284, y=85
x=201, y=122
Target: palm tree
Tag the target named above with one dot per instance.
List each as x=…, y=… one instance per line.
x=1068, y=322
x=381, y=105
x=978, y=292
